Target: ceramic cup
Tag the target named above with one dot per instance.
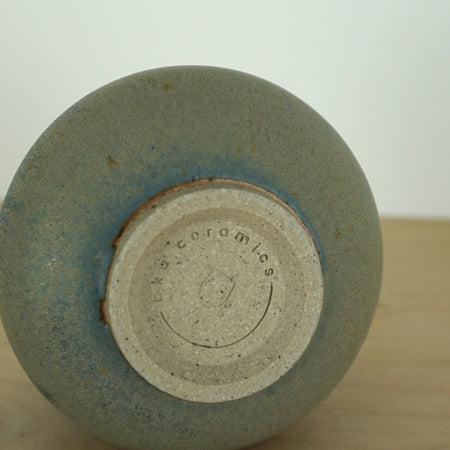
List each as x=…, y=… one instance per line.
x=190, y=258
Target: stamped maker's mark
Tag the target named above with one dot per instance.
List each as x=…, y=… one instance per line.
x=269, y=301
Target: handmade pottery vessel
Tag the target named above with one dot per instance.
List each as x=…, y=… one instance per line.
x=190, y=257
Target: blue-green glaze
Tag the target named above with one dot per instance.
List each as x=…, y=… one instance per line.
x=98, y=163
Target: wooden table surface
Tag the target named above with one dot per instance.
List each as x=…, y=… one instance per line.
x=395, y=396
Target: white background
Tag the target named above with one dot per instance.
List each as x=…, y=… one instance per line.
x=378, y=71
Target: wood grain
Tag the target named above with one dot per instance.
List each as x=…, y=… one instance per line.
x=395, y=396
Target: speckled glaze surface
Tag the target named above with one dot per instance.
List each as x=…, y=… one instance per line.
x=102, y=160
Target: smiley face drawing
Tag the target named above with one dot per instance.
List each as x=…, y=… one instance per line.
x=215, y=293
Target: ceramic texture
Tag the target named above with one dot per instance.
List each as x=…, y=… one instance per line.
x=214, y=291
x=108, y=155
